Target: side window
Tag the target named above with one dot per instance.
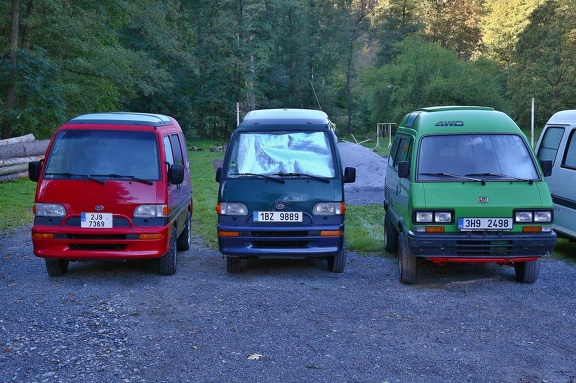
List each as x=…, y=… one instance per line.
x=402, y=151
x=550, y=143
x=393, y=152
x=177, y=149
x=570, y=155
x=168, y=150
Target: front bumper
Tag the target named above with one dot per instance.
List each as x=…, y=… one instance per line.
x=279, y=242
x=481, y=246
x=99, y=244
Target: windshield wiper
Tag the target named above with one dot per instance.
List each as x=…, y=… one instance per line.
x=466, y=177
x=282, y=174
x=259, y=175
x=73, y=175
x=118, y=176
x=489, y=174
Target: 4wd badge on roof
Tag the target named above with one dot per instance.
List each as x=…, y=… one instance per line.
x=449, y=123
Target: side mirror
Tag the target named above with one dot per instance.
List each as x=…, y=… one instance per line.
x=218, y=174
x=546, y=167
x=34, y=170
x=176, y=174
x=403, y=169
x=349, y=175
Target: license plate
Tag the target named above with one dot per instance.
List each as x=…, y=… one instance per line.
x=277, y=216
x=468, y=224
x=96, y=220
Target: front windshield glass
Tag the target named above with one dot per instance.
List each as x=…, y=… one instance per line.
x=81, y=153
x=285, y=153
x=502, y=157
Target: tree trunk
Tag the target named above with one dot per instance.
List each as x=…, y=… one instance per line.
x=27, y=138
x=23, y=149
x=11, y=83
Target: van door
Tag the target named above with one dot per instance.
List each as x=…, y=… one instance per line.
x=397, y=189
x=564, y=195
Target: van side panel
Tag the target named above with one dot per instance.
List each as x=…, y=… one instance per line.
x=558, y=143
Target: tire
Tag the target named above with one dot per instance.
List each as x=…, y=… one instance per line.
x=56, y=267
x=337, y=263
x=527, y=272
x=390, y=235
x=233, y=264
x=167, y=262
x=185, y=238
x=407, y=262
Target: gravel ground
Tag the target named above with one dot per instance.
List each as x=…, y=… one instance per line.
x=282, y=321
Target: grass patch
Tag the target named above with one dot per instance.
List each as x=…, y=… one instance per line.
x=365, y=228
x=204, y=192
x=16, y=200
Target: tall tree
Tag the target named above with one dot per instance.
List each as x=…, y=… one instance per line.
x=501, y=26
x=544, y=63
x=11, y=76
x=453, y=24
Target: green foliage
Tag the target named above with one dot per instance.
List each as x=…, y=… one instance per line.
x=425, y=74
x=544, y=63
x=196, y=59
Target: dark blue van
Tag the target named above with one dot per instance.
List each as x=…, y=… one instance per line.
x=281, y=192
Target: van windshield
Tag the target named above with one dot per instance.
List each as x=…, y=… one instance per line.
x=475, y=157
x=282, y=153
x=103, y=154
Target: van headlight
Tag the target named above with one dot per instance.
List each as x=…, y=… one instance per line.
x=329, y=208
x=49, y=210
x=151, y=211
x=422, y=216
x=231, y=208
x=533, y=216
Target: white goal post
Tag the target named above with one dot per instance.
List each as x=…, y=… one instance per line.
x=384, y=129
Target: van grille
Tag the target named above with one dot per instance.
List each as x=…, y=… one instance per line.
x=98, y=237
x=484, y=247
x=96, y=246
x=280, y=244
x=265, y=234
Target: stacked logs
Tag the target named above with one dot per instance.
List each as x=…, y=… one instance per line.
x=17, y=152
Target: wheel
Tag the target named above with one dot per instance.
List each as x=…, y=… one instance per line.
x=233, y=264
x=407, y=262
x=185, y=237
x=167, y=262
x=56, y=267
x=390, y=235
x=527, y=272
x=337, y=263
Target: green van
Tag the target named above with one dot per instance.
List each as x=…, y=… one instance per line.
x=281, y=191
x=463, y=185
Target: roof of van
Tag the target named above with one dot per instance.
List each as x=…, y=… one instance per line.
x=564, y=117
x=456, y=119
x=285, y=116
x=123, y=118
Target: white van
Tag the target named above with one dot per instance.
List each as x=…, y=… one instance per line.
x=558, y=143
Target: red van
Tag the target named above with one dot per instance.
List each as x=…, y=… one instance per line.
x=113, y=186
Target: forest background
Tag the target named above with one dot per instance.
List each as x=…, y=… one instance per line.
x=361, y=61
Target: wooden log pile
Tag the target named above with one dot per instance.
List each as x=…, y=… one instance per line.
x=17, y=152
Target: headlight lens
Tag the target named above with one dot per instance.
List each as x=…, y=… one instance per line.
x=433, y=216
x=49, y=210
x=232, y=208
x=329, y=208
x=150, y=211
x=536, y=216
x=543, y=216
